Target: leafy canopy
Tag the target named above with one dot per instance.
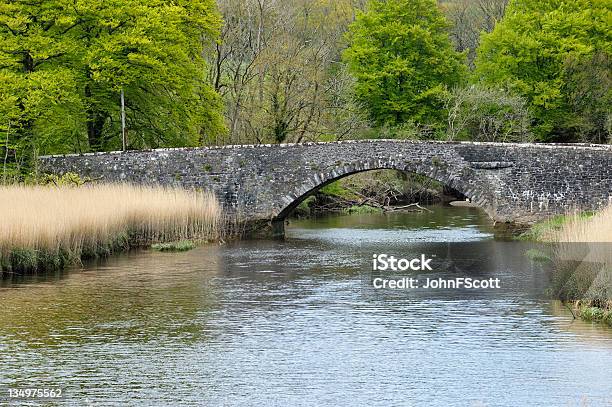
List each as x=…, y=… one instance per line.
x=402, y=58
x=528, y=51
x=63, y=64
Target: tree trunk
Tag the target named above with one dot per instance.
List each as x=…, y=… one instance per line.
x=95, y=124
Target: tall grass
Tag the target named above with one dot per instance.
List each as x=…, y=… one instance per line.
x=586, y=238
x=596, y=229
x=583, y=265
x=50, y=227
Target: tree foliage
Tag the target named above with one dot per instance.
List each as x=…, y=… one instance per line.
x=299, y=70
x=588, y=87
x=63, y=64
x=402, y=58
x=277, y=69
x=528, y=53
x=483, y=114
x=469, y=18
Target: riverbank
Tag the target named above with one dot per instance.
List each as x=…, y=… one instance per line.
x=50, y=228
x=228, y=310
x=582, y=261
x=376, y=192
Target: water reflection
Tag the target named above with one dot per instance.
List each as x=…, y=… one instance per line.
x=296, y=323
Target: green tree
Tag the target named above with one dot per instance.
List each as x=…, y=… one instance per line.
x=36, y=86
x=153, y=51
x=63, y=64
x=589, y=93
x=528, y=52
x=403, y=60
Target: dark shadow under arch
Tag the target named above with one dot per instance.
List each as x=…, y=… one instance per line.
x=311, y=186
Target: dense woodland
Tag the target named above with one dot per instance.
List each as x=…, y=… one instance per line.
x=196, y=72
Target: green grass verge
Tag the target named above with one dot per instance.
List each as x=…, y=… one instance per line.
x=336, y=189
x=28, y=260
x=181, y=246
x=25, y=261
x=546, y=229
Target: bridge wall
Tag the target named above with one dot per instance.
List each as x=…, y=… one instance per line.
x=512, y=182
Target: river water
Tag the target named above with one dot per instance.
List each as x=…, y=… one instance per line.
x=297, y=322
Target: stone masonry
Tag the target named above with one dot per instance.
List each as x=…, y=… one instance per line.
x=512, y=182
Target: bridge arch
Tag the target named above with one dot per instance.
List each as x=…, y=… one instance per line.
x=316, y=181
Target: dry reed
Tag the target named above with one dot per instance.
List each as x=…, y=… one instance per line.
x=587, y=239
x=597, y=229
x=583, y=265
x=64, y=223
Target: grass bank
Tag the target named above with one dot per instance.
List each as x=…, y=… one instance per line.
x=49, y=228
x=549, y=230
x=582, y=261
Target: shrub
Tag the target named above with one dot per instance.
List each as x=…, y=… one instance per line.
x=486, y=114
x=362, y=210
x=180, y=246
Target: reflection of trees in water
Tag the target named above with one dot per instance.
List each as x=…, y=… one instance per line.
x=134, y=297
x=439, y=216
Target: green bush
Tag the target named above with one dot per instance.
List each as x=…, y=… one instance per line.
x=596, y=314
x=67, y=179
x=362, y=210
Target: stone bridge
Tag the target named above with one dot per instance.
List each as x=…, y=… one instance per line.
x=518, y=183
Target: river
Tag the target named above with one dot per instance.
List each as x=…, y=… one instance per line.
x=297, y=322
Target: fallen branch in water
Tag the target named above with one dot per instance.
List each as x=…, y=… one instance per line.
x=399, y=208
